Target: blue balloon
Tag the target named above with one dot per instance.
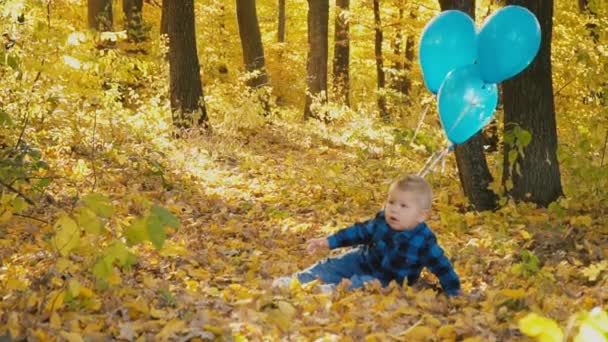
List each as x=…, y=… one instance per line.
x=507, y=43
x=448, y=41
x=466, y=103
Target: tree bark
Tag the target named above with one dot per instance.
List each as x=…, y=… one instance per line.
x=316, y=63
x=529, y=104
x=187, y=102
x=251, y=42
x=475, y=177
x=281, y=29
x=99, y=13
x=379, y=62
x=403, y=65
x=342, y=53
x=134, y=21
x=163, y=19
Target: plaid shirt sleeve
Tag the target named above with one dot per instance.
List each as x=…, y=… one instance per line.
x=357, y=234
x=440, y=265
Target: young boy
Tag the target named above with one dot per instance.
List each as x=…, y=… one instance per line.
x=395, y=245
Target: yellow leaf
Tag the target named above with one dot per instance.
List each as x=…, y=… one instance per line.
x=419, y=333
x=67, y=235
x=525, y=235
x=71, y=337
x=85, y=292
x=170, y=329
x=14, y=324
x=588, y=333
x=513, y=293
x=55, y=321
x=544, y=329
x=54, y=301
x=287, y=309
x=215, y=330
x=447, y=332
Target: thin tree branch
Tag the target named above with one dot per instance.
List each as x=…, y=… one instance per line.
x=9, y=187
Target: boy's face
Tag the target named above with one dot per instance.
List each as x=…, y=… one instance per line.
x=402, y=210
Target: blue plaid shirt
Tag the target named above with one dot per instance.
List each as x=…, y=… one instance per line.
x=395, y=255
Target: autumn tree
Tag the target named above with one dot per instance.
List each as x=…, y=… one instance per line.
x=473, y=171
x=316, y=62
x=341, y=77
x=134, y=21
x=403, y=54
x=281, y=22
x=529, y=105
x=378, y=40
x=100, y=15
x=251, y=42
x=186, y=91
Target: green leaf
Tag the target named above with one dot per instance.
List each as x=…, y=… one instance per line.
x=544, y=329
x=118, y=251
x=102, y=269
x=165, y=217
x=74, y=287
x=5, y=119
x=156, y=232
x=67, y=236
x=137, y=232
x=99, y=204
x=88, y=220
x=524, y=138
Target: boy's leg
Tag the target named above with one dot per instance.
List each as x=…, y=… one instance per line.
x=358, y=280
x=333, y=270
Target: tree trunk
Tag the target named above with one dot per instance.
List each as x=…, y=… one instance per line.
x=473, y=171
x=342, y=53
x=134, y=21
x=528, y=102
x=100, y=15
x=251, y=42
x=281, y=30
x=403, y=65
x=187, y=102
x=379, y=62
x=163, y=19
x=316, y=63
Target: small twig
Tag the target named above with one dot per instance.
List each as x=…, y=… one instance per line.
x=562, y=88
x=27, y=114
x=31, y=218
x=8, y=186
x=604, y=151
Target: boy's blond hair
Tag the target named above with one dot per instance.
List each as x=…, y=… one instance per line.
x=419, y=186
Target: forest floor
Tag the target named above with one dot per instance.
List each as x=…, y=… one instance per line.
x=247, y=203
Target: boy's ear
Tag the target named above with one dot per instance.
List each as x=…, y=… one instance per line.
x=424, y=214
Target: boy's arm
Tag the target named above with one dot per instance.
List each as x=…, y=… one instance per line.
x=357, y=234
x=441, y=266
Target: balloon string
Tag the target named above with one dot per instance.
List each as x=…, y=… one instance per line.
x=419, y=124
x=430, y=165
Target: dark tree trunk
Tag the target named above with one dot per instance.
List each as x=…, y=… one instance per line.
x=342, y=53
x=281, y=30
x=134, y=21
x=187, y=103
x=528, y=101
x=473, y=171
x=163, y=19
x=316, y=63
x=403, y=65
x=100, y=15
x=251, y=42
x=379, y=62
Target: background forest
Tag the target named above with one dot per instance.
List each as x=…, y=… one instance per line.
x=153, y=185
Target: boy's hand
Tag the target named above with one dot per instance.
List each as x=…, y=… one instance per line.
x=314, y=245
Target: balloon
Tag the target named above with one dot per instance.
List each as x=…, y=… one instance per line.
x=507, y=43
x=466, y=103
x=447, y=42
